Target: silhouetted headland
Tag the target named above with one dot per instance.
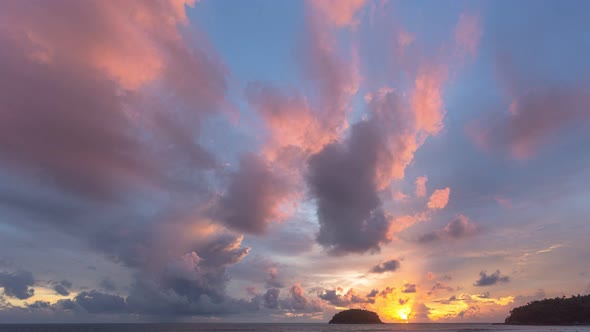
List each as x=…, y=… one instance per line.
x=557, y=311
x=355, y=316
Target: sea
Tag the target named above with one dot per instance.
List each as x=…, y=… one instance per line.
x=272, y=327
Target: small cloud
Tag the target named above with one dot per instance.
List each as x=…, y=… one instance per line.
x=550, y=249
x=409, y=288
x=373, y=293
x=421, y=186
x=439, y=199
x=492, y=279
x=503, y=202
x=459, y=228
x=389, y=266
x=62, y=287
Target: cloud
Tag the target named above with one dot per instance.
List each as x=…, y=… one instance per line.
x=409, y=288
x=420, y=312
x=350, y=298
x=296, y=301
x=271, y=298
x=421, y=186
x=253, y=198
x=295, y=128
x=460, y=227
x=388, y=266
x=427, y=99
x=468, y=33
x=373, y=293
x=97, y=303
x=100, y=131
x=492, y=279
x=17, y=284
x=107, y=149
x=342, y=180
x=439, y=285
x=537, y=115
x=439, y=199
x=346, y=177
x=273, y=279
x=334, y=78
x=62, y=287
x=340, y=13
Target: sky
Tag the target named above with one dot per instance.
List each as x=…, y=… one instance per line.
x=280, y=161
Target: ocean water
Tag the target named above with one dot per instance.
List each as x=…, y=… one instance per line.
x=280, y=328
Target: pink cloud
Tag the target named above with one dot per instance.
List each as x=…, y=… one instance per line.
x=398, y=224
x=111, y=63
x=535, y=118
x=421, y=186
x=399, y=196
x=335, y=78
x=340, y=13
x=439, y=199
x=296, y=126
x=295, y=129
x=399, y=132
x=504, y=202
x=427, y=99
x=468, y=33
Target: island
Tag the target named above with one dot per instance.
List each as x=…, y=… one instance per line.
x=558, y=311
x=356, y=316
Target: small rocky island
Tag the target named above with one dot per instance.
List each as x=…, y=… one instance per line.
x=558, y=311
x=355, y=316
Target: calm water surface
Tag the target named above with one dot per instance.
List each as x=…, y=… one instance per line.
x=280, y=328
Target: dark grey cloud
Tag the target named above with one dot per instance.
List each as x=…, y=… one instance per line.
x=409, y=288
x=343, y=300
x=98, y=303
x=439, y=285
x=271, y=298
x=429, y=237
x=62, y=287
x=17, y=284
x=252, y=198
x=388, y=266
x=342, y=179
x=373, y=293
x=448, y=301
x=491, y=279
x=108, y=284
x=460, y=227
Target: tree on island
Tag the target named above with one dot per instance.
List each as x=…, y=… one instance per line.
x=557, y=311
x=356, y=316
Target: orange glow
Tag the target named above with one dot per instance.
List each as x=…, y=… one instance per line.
x=392, y=305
